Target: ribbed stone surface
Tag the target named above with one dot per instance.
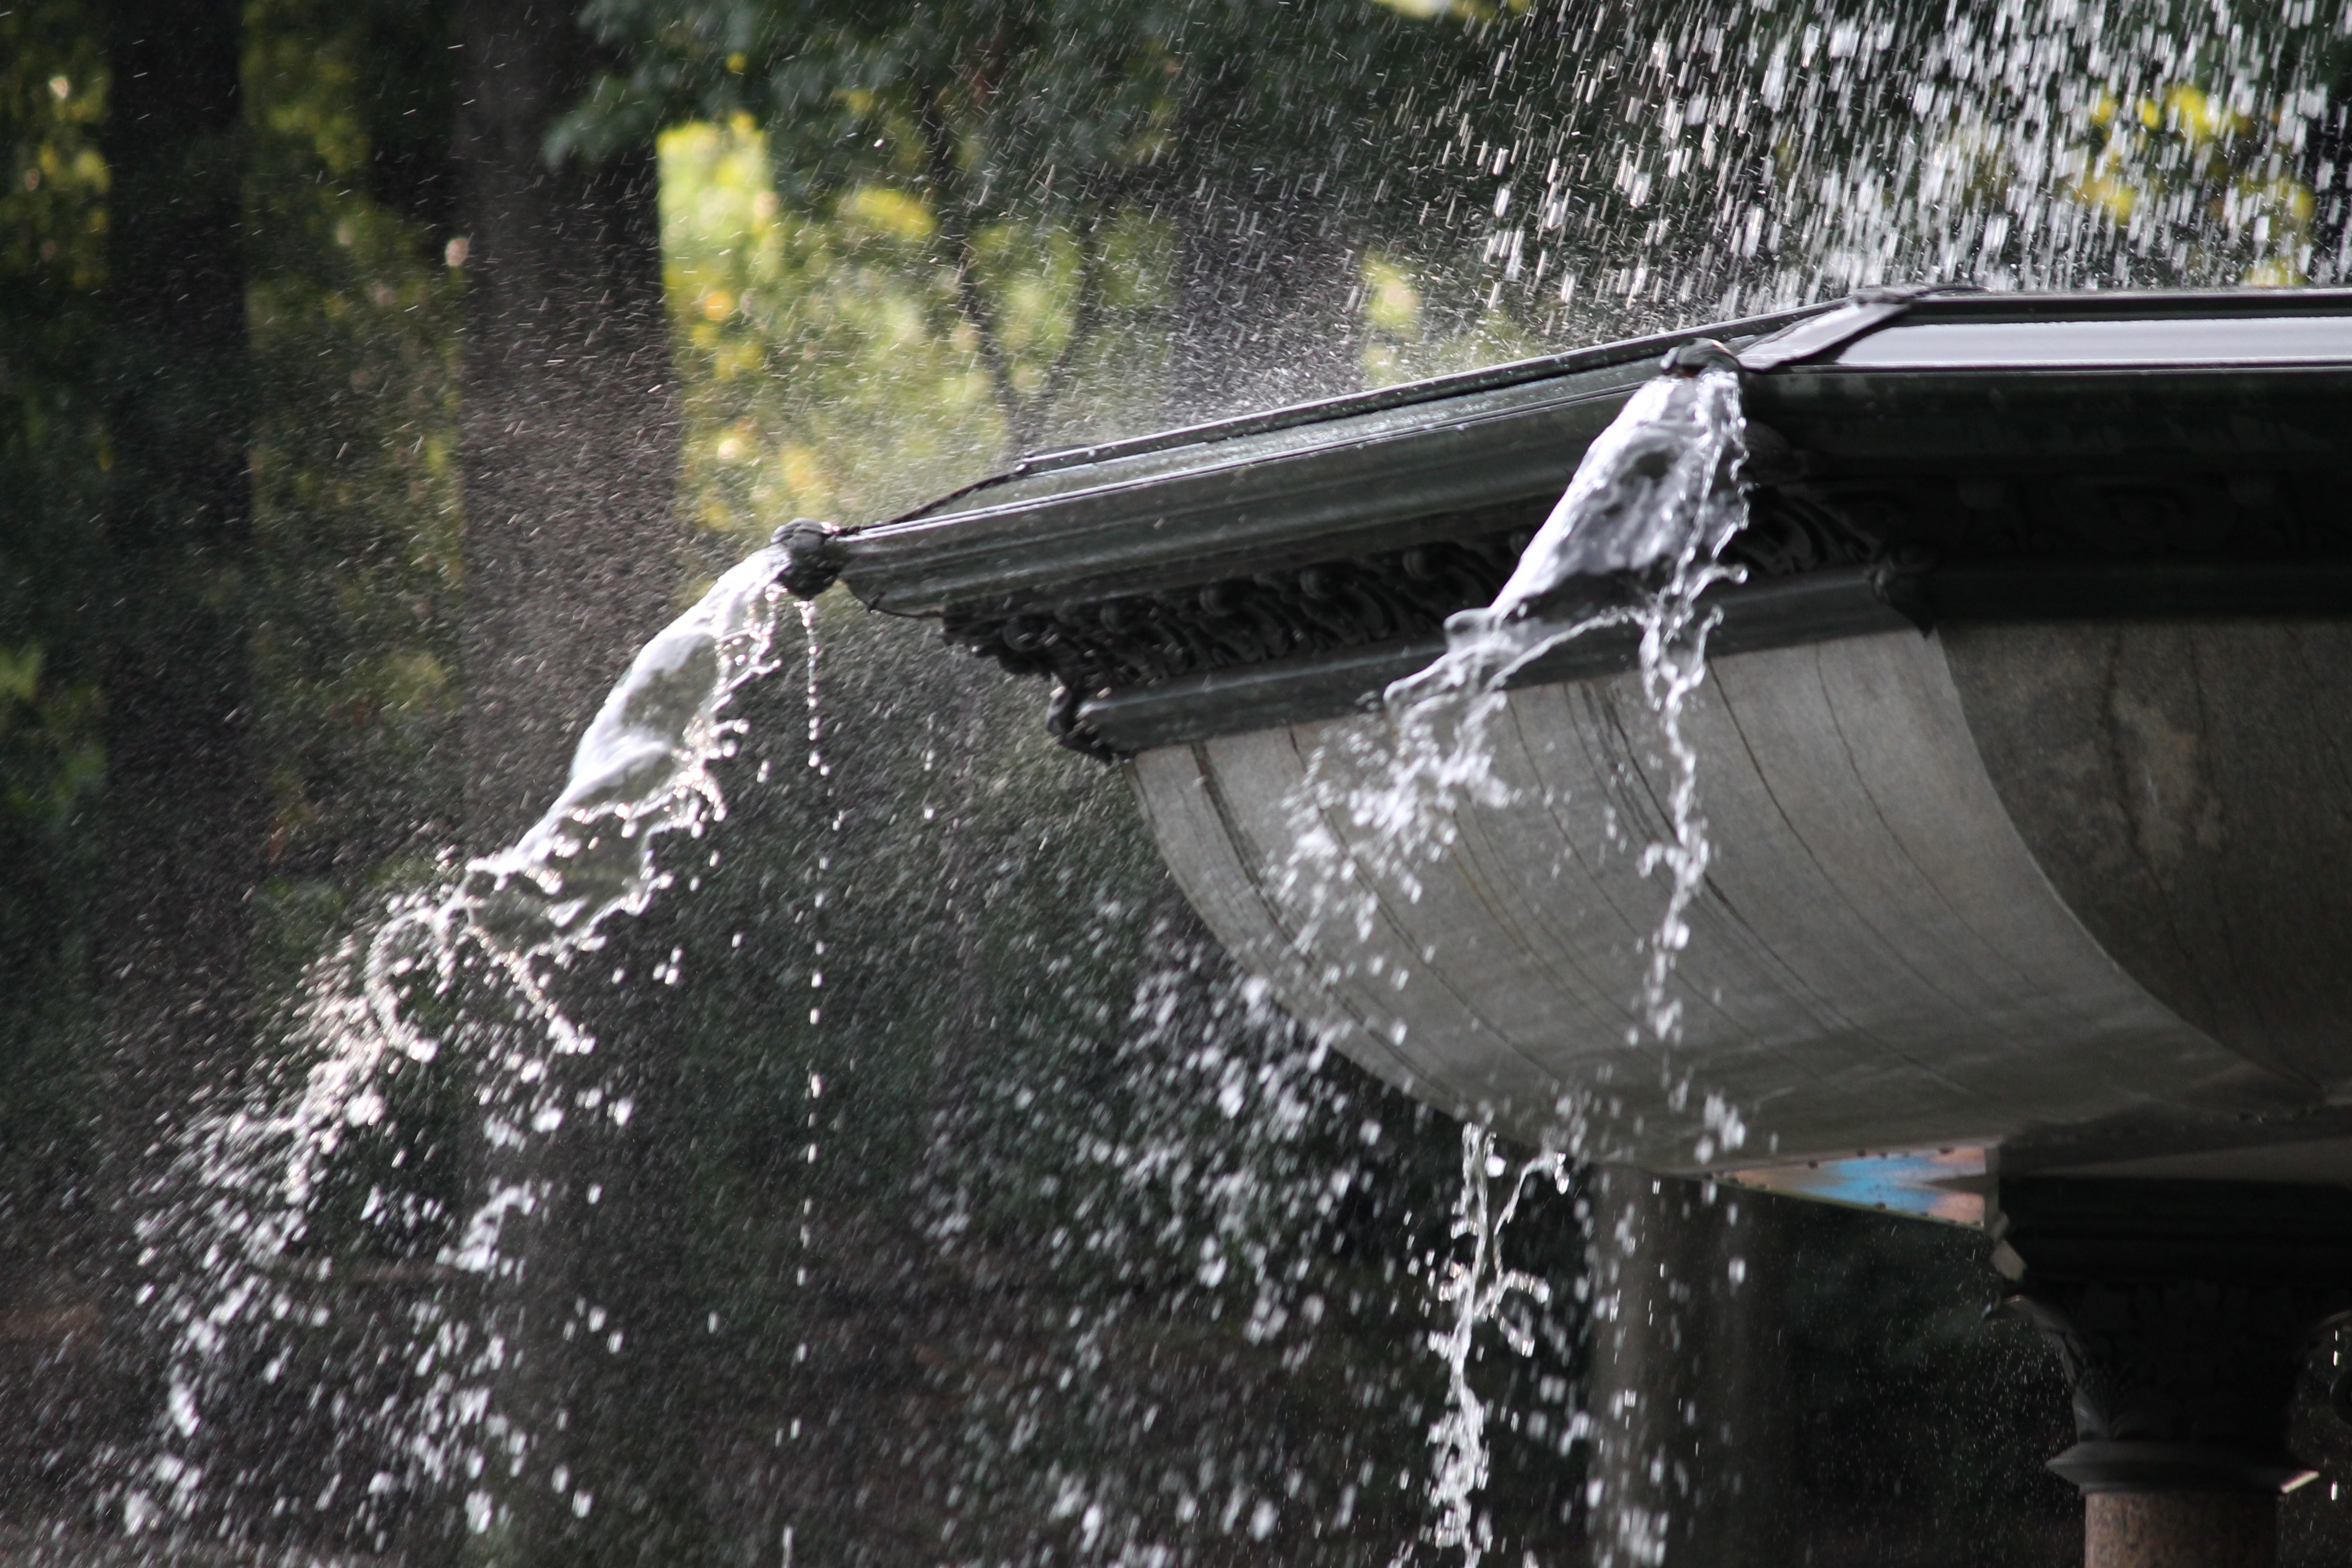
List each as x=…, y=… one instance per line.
x=1899, y=945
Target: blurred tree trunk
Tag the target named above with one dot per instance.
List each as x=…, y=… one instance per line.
x=570, y=435
x=182, y=828
x=571, y=422
x=185, y=826
x=1689, y=1395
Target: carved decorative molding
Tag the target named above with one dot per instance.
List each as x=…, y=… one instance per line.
x=1093, y=647
x=1096, y=646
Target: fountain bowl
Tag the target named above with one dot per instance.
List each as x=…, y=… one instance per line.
x=2024, y=752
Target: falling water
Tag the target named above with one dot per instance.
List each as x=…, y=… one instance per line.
x=1651, y=505
x=239, y=1200
x=1479, y=1288
x=816, y=764
x=1636, y=539
x=814, y=1090
x=642, y=771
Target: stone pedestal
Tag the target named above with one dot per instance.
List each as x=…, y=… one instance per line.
x=1690, y=1386
x=2183, y=1311
x=2180, y=1530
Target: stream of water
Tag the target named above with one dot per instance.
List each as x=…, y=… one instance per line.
x=1651, y=505
x=225, y=1240
x=1651, y=509
x=1636, y=539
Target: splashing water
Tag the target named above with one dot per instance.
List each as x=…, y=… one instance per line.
x=1478, y=1287
x=1636, y=540
x=235, y=1211
x=1654, y=502
x=1744, y=159
x=643, y=770
x=1656, y=496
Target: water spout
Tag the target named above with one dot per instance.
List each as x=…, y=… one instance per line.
x=240, y=1193
x=1654, y=502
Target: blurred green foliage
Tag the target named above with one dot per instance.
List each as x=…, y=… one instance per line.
x=1034, y=154
x=53, y=454
x=831, y=372
x=354, y=317
x=2187, y=151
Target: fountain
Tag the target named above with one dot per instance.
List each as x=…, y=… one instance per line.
x=2022, y=747
x=896, y=1171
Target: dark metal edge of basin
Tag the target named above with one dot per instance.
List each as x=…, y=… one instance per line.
x=1351, y=475
x=1487, y=378
x=1291, y=565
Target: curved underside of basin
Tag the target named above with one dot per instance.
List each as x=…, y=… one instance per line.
x=2069, y=891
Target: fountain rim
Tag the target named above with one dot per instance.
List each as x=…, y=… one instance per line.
x=910, y=564
x=1142, y=574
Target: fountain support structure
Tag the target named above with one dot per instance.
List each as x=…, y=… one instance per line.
x=2183, y=1312
x=2025, y=756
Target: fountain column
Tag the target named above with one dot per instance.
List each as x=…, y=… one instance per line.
x=1689, y=1394
x=2183, y=1311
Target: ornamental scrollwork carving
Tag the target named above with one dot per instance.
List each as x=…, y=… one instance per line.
x=1093, y=646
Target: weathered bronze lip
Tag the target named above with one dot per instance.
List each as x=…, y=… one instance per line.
x=1254, y=491
x=1253, y=568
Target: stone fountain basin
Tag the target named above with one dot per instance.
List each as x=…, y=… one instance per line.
x=2026, y=753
